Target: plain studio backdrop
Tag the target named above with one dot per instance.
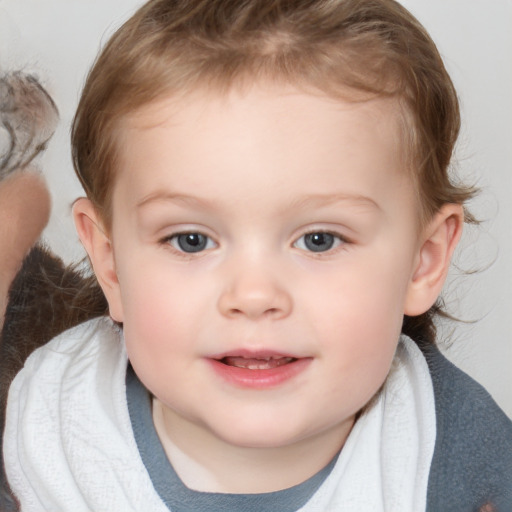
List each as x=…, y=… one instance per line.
x=57, y=41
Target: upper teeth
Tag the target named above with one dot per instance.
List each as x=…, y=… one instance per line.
x=258, y=363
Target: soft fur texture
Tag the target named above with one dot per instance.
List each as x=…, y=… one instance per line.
x=28, y=117
x=45, y=299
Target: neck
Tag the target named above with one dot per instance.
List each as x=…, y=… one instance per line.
x=209, y=464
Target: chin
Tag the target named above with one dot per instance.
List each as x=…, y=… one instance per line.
x=262, y=435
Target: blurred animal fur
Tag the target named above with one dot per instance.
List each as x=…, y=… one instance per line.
x=46, y=297
x=28, y=117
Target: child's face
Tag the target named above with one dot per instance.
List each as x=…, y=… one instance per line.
x=265, y=244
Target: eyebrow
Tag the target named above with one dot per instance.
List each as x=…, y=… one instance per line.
x=307, y=201
x=318, y=200
x=175, y=198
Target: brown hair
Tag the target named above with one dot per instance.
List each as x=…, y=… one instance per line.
x=371, y=46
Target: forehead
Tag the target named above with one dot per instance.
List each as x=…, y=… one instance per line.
x=261, y=137
x=285, y=100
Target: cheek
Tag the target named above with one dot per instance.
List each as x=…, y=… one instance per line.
x=360, y=298
x=164, y=308
x=154, y=316
x=157, y=334
x=358, y=319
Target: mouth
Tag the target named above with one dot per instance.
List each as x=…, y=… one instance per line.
x=258, y=370
x=257, y=363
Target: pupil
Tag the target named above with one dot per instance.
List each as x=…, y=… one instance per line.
x=192, y=242
x=319, y=242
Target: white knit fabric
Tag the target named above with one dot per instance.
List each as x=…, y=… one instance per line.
x=385, y=462
x=69, y=445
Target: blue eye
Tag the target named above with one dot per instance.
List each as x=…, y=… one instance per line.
x=191, y=242
x=319, y=241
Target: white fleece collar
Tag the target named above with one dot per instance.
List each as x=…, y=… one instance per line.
x=385, y=463
x=58, y=459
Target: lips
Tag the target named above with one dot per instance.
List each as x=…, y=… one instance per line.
x=258, y=370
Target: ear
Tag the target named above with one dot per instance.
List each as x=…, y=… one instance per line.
x=99, y=247
x=437, y=243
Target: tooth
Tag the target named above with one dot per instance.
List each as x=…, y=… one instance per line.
x=263, y=363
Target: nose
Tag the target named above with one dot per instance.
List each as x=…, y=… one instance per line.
x=254, y=295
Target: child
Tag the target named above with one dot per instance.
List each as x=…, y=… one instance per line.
x=268, y=209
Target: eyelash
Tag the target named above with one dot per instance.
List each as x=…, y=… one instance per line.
x=336, y=239
x=203, y=241
x=197, y=240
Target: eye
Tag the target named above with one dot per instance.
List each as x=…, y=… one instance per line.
x=191, y=242
x=319, y=241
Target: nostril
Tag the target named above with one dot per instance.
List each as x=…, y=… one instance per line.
x=255, y=312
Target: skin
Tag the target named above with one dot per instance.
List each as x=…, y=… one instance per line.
x=24, y=212
x=257, y=171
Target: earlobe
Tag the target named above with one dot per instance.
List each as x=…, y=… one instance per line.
x=440, y=237
x=100, y=251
